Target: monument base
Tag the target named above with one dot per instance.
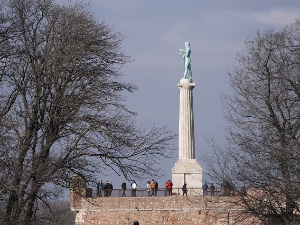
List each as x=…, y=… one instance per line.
x=186, y=81
x=190, y=172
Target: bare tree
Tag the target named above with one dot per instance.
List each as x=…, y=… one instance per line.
x=62, y=104
x=54, y=213
x=263, y=111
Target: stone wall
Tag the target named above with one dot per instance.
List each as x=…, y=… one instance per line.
x=208, y=210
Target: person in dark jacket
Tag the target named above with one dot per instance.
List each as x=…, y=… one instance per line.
x=100, y=187
x=205, y=187
x=123, y=188
x=184, y=190
x=156, y=187
x=110, y=188
x=212, y=190
x=105, y=189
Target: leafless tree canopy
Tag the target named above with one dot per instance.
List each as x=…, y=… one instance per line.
x=263, y=111
x=53, y=213
x=62, y=104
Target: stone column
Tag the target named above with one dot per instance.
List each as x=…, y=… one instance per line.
x=186, y=121
x=187, y=169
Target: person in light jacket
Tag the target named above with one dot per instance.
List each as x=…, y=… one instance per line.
x=148, y=188
x=133, y=189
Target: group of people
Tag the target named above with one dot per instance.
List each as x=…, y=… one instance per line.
x=104, y=190
x=133, y=188
x=211, y=189
x=227, y=189
x=152, y=188
x=168, y=188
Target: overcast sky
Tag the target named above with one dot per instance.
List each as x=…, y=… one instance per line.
x=156, y=30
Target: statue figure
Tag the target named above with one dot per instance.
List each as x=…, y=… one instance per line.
x=186, y=55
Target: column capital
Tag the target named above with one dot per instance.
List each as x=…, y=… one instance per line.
x=186, y=85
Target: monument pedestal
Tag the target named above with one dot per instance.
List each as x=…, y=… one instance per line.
x=190, y=172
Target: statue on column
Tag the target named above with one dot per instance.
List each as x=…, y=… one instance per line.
x=186, y=55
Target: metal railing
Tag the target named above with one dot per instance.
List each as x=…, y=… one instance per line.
x=160, y=192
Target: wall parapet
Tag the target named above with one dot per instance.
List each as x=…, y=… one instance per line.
x=160, y=210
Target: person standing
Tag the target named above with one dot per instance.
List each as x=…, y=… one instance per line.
x=156, y=187
x=166, y=188
x=133, y=190
x=170, y=185
x=110, y=188
x=184, y=190
x=123, y=188
x=212, y=190
x=148, y=188
x=205, y=187
x=106, y=189
x=99, y=188
x=153, y=188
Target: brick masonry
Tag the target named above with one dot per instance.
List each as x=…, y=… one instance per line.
x=208, y=210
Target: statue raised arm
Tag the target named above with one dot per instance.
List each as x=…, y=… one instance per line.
x=186, y=54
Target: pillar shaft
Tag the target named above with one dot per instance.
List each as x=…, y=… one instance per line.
x=186, y=122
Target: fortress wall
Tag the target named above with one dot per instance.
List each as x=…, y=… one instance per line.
x=159, y=210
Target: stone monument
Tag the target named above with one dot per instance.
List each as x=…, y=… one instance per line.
x=187, y=169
